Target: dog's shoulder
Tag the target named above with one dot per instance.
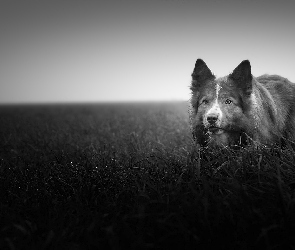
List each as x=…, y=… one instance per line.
x=277, y=85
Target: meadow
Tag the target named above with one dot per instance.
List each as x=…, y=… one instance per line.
x=128, y=176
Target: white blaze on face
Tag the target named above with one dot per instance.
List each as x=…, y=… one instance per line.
x=215, y=109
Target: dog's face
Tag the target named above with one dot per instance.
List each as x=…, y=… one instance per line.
x=218, y=107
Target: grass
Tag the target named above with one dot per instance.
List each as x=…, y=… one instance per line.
x=126, y=176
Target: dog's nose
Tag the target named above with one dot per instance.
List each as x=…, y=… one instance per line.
x=212, y=119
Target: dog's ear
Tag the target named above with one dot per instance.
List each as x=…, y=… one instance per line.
x=242, y=76
x=201, y=72
x=242, y=71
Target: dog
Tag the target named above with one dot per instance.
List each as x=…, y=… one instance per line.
x=240, y=109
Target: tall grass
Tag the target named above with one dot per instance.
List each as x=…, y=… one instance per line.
x=126, y=176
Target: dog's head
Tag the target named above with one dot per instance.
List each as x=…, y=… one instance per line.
x=219, y=105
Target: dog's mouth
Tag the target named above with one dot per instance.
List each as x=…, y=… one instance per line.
x=216, y=130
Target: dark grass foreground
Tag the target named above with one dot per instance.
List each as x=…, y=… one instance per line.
x=126, y=177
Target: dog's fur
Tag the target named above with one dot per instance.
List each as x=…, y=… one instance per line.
x=239, y=109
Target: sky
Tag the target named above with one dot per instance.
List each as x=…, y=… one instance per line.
x=98, y=51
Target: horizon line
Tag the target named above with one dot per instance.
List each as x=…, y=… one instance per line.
x=90, y=102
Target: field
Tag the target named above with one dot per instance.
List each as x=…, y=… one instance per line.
x=127, y=176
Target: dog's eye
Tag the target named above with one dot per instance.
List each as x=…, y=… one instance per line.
x=205, y=101
x=228, y=101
